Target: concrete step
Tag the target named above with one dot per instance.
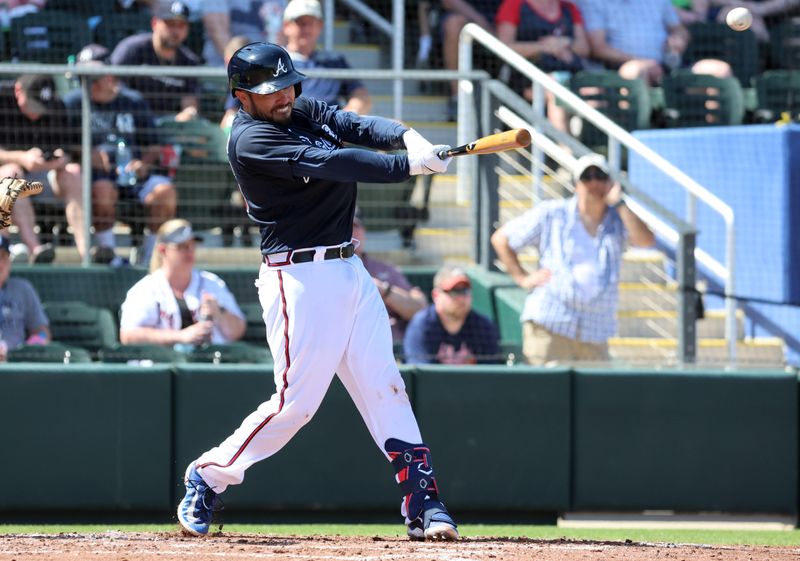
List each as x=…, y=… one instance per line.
x=436, y=133
x=756, y=352
x=637, y=296
x=386, y=87
x=415, y=107
x=365, y=57
x=341, y=33
x=664, y=323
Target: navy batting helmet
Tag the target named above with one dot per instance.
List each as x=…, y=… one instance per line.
x=263, y=68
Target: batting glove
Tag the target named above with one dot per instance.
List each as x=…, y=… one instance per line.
x=428, y=162
x=415, y=142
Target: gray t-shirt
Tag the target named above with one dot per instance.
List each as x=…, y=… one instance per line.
x=20, y=311
x=636, y=27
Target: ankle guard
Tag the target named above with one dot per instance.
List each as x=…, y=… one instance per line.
x=414, y=474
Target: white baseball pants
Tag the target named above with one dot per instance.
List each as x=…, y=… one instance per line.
x=322, y=317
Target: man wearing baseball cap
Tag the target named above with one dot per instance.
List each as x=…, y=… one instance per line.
x=22, y=318
x=163, y=47
x=449, y=331
x=34, y=145
x=302, y=27
x=571, y=308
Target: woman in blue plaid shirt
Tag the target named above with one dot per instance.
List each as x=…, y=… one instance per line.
x=571, y=309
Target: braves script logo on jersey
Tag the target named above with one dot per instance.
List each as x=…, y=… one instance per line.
x=280, y=70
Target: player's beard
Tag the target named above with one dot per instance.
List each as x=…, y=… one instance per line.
x=277, y=115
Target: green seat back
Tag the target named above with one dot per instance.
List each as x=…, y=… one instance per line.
x=141, y=351
x=697, y=100
x=113, y=28
x=80, y=324
x=387, y=206
x=717, y=40
x=785, y=44
x=49, y=36
x=204, y=180
x=777, y=91
x=626, y=102
x=54, y=352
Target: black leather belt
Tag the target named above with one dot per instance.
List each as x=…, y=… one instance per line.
x=307, y=255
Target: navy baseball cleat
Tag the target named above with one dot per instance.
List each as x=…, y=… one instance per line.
x=196, y=509
x=433, y=523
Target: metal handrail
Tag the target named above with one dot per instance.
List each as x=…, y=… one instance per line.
x=617, y=135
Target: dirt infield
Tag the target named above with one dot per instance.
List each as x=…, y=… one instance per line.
x=120, y=546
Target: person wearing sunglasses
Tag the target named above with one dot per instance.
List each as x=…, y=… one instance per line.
x=449, y=331
x=571, y=308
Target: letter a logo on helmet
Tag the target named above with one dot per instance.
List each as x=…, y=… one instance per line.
x=263, y=68
x=281, y=68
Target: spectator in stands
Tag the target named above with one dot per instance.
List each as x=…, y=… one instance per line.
x=643, y=39
x=258, y=20
x=401, y=299
x=33, y=138
x=550, y=34
x=166, y=95
x=122, y=128
x=457, y=14
x=178, y=304
x=571, y=309
x=449, y=331
x=302, y=27
x=765, y=13
x=22, y=319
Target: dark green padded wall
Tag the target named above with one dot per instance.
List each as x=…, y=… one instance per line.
x=500, y=437
x=331, y=463
x=85, y=437
x=685, y=441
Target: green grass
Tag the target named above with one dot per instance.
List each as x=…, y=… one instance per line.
x=718, y=537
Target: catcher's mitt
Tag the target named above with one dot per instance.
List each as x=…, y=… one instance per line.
x=12, y=188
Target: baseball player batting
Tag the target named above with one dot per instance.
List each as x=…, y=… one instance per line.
x=322, y=310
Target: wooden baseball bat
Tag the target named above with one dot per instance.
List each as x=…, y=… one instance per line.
x=508, y=140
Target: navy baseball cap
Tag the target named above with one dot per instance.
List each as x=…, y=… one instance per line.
x=169, y=10
x=5, y=244
x=40, y=91
x=93, y=54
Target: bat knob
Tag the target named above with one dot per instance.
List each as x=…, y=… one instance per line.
x=442, y=154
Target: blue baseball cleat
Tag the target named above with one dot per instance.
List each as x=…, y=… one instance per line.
x=433, y=523
x=196, y=509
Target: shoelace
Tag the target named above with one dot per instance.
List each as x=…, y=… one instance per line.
x=204, y=490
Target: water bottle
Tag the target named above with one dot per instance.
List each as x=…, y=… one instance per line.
x=125, y=178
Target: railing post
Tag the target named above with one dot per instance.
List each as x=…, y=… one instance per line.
x=688, y=298
x=398, y=42
x=487, y=184
x=86, y=167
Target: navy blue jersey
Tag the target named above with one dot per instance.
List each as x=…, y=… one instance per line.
x=127, y=116
x=298, y=181
x=428, y=342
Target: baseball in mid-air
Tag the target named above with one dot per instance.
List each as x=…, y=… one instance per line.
x=739, y=19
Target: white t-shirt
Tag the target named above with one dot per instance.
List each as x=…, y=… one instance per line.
x=151, y=302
